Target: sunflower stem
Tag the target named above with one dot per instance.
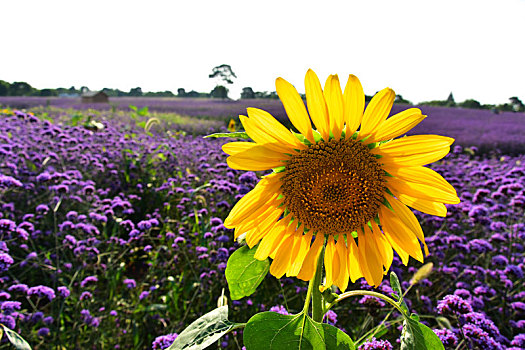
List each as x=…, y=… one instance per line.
x=317, y=297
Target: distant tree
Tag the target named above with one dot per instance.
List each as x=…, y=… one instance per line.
x=159, y=94
x=219, y=92
x=84, y=89
x=450, y=100
x=224, y=73
x=247, y=92
x=20, y=88
x=470, y=103
x=72, y=90
x=400, y=99
x=4, y=88
x=517, y=105
x=266, y=94
x=135, y=92
x=48, y=92
x=181, y=92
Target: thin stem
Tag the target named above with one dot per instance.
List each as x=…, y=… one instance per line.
x=317, y=297
x=308, y=297
x=367, y=292
x=376, y=329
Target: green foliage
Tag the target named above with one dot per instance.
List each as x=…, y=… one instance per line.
x=247, y=93
x=205, y=330
x=224, y=73
x=400, y=99
x=244, y=273
x=417, y=336
x=20, y=88
x=4, y=88
x=238, y=135
x=470, y=103
x=135, y=92
x=273, y=331
x=219, y=92
x=14, y=338
x=398, y=294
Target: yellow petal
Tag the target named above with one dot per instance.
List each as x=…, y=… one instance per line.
x=377, y=111
x=272, y=239
x=263, y=138
x=409, y=219
x=373, y=256
x=258, y=215
x=295, y=108
x=398, y=125
x=275, y=131
x=354, y=105
x=264, y=226
x=424, y=206
x=334, y=102
x=395, y=229
x=304, y=247
x=423, y=191
x=354, y=270
x=414, y=159
x=310, y=262
x=328, y=263
x=362, y=255
x=282, y=259
x=420, y=174
x=261, y=193
x=412, y=145
x=385, y=249
x=256, y=157
x=237, y=147
x=342, y=252
x=316, y=104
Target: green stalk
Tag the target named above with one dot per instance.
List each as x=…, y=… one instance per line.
x=317, y=297
x=367, y=292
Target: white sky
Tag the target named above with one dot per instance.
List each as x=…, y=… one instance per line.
x=421, y=49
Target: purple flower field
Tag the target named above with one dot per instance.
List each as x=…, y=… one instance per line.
x=470, y=127
x=114, y=239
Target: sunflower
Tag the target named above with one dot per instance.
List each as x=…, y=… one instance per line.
x=343, y=187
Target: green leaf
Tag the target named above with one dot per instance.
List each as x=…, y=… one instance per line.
x=273, y=331
x=18, y=342
x=417, y=336
x=398, y=293
x=239, y=135
x=143, y=111
x=205, y=331
x=244, y=273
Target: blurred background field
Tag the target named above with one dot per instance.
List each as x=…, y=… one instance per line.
x=486, y=129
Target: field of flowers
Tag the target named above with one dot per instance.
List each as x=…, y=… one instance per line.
x=481, y=128
x=111, y=234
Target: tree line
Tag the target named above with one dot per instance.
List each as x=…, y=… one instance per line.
x=224, y=75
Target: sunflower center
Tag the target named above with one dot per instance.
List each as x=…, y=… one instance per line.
x=333, y=187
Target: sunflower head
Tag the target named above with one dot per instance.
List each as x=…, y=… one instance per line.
x=343, y=186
